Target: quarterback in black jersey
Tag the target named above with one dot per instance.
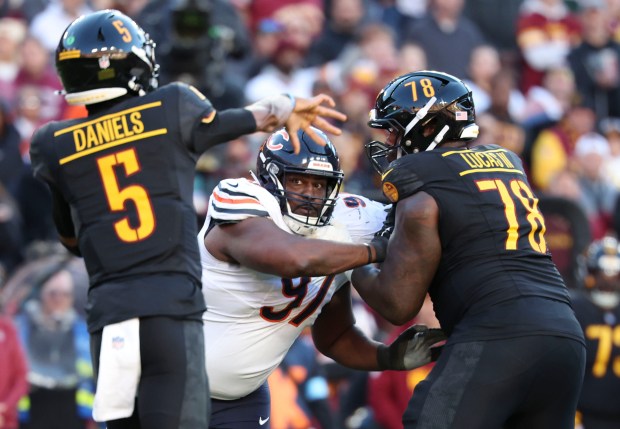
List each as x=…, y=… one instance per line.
x=597, y=307
x=467, y=231
x=121, y=182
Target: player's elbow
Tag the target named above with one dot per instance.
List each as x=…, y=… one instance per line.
x=297, y=264
x=399, y=313
x=398, y=319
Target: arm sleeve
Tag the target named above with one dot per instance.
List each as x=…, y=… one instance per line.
x=202, y=126
x=226, y=125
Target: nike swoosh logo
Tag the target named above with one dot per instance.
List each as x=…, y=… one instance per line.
x=261, y=421
x=236, y=185
x=386, y=173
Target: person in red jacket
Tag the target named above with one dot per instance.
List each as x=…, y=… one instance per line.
x=13, y=382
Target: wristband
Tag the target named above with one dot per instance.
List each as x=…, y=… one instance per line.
x=383, y=357
x=369, y=253
x=290, y=96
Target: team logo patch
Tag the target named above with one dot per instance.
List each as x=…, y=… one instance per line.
x=390, y=191
x=118, y=343
x=104, y=62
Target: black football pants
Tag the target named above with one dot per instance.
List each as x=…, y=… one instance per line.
x=173, y=390
x=529, y=382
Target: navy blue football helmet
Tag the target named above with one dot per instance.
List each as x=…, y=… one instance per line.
x=277, y=158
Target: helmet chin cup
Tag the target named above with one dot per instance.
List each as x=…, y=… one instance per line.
x=299, y=226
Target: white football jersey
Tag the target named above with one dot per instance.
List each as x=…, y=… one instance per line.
x=252, y=318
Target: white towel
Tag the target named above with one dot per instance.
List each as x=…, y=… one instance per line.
x=119, y=371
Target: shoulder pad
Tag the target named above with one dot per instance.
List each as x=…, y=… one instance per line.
x=236, y=199
x=362, y=216
x=399, y=180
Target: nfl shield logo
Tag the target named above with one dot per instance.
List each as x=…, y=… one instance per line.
x=118, y=343
x=104, y=62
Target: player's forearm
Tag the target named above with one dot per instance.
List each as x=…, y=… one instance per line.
x=353, y=349
x=322, y=257
x=383, y=294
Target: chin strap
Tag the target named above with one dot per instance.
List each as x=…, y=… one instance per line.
x=438, y=138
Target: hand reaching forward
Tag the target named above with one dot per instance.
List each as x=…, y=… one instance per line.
x=411, y=349
x=313, y=112
x=297, y=114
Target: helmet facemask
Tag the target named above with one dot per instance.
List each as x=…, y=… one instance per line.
x=323, y=206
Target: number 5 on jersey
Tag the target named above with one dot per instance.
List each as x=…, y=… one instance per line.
x=118, y=198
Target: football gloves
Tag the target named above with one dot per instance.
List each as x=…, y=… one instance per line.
x=412, y=349
x=381, y=238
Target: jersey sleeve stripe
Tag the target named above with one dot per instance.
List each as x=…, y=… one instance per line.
x=223, y=199
x=236, y=213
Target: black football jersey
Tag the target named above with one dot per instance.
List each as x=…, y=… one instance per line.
x=496, y=277
x=600, y=394
x=127, y=174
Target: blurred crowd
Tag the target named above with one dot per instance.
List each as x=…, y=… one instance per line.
x=545, y=76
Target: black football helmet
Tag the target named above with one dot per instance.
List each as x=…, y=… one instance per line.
x=104, y=55
x=423, y=109
x=277, y=158
x=602, y=272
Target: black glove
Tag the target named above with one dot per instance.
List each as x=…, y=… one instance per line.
x=381, y=238
x=380, y=245
x=388, y=223
x=412, y=349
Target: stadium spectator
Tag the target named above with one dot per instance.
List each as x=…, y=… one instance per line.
x=60, y=375
x=49, y=24
x=447, y=36
x=546, y=32
x=554, y=146
x=13, y=381
x=596, y=61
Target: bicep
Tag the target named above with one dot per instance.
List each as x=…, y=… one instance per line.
x=335, y=318
x=256, y=243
